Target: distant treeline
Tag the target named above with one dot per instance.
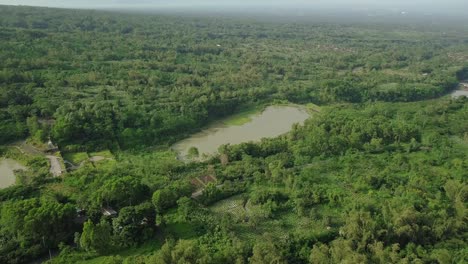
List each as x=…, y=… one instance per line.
x=119, y=81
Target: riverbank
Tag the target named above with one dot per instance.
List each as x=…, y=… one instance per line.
x=462, y=90
x=7, y=171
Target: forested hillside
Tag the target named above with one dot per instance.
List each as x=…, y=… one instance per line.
x=378, y=174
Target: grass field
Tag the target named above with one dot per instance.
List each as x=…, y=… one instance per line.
x=180, y=230
x=104, y=153
x=76, y=158
x=127, y=255
x=154, y=162
x=282, y=224
x=231, y=205
x=60, y=188
x=312, y=108
x=106, y=164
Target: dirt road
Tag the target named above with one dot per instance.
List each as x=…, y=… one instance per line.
x=55, y=168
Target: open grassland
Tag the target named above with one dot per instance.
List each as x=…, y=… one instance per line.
x=104, y=153
x=76, y=158
x=233, y=205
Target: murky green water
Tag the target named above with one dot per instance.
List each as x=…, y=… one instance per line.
x=459, y=93
x=462, y=90
x=7, y=176
x=272, y=122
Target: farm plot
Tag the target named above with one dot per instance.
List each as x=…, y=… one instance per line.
x=76, y=160
x=233, y=205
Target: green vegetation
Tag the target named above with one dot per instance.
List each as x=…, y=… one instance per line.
x=124, y=81
x=76, y=158
x=104, y=153
x=377, y=175
x=242, y=117
x=193, y=152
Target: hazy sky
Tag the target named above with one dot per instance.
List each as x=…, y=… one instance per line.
x=435, y=5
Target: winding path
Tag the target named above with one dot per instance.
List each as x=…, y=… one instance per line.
x=55, y=167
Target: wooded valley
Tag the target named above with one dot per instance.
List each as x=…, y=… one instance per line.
x=377, y=174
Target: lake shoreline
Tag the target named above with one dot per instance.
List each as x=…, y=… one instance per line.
x=267, y=121
x=8, y=167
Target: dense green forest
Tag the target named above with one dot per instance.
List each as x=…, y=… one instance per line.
x=377, y=175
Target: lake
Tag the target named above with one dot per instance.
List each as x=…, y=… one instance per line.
x=7, y=175
x=459, y=93
x=271, y=122
x=462, y=90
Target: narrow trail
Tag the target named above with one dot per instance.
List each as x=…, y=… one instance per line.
x=55, y=168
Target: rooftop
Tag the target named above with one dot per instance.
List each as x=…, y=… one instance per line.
x=108, y=211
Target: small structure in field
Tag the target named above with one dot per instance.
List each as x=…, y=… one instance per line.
x=108, y=211
x=144, y=221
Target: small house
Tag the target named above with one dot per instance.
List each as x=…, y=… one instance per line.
x=144, y=221
x=108, y=211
